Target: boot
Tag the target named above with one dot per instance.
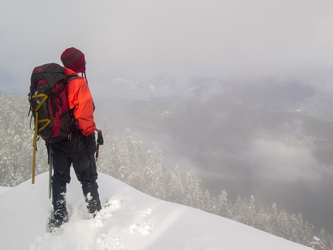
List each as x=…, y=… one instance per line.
x=91, y=197
x=59, y=215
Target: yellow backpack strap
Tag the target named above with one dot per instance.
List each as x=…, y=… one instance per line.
x=40, y=104
x=47, y=122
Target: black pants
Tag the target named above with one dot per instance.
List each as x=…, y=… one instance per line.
x=74, y=151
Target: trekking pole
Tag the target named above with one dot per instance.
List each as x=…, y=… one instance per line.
x=50, y=169
x=35, y=149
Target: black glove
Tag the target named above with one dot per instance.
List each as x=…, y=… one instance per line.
x=100, y=140
x=91, y=144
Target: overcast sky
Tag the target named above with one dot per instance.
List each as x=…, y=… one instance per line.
x=137, y=39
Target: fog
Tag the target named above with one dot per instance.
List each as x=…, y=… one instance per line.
x=140, y=39
x=241, y=91
x=272, y=139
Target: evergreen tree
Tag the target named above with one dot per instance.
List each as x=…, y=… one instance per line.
x=193, y=193
x=297, y=227
x=285, y=227
x=317, y=244
x=252, y=212
x=105, y=156
x=206, y=204
x=136, y=159
x=263, y=222
x=214, y=204
x=175, y=185
x=223, y=208
x=154, y=172
x=273, y=219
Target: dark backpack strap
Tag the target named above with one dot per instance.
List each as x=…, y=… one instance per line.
x=70, y=78
x=54, y=107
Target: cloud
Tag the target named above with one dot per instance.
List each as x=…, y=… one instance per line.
x=220, y=37
x=140, y=38
x=277, y=160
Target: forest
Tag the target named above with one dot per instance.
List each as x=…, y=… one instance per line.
x=124, y=157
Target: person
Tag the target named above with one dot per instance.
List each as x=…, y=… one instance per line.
x=80, y=147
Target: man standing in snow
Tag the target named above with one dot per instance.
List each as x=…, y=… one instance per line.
x=80, y=148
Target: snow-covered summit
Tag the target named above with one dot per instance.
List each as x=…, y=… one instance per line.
x=132, y=220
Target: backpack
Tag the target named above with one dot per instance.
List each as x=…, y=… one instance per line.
x=54, y=120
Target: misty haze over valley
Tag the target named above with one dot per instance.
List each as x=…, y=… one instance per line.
x=270, y=138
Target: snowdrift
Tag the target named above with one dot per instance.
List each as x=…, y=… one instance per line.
x=130, y=220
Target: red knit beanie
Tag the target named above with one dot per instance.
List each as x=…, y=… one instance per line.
x=73, y=59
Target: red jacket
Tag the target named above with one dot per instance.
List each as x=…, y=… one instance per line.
x=79, y=97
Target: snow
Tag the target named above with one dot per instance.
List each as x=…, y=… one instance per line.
x=4, y=189
x=129, y=220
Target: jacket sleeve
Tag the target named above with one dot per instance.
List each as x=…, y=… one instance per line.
x=79, y=97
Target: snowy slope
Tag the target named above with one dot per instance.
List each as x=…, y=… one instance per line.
x=132, y=220
x=4, y=189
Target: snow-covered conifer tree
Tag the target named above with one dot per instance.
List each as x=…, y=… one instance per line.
x=193, y=191
x=16, y=142
x=206, y=204
x=223, y=204
x=252, y=212
x=175, y=186
x=154, y=172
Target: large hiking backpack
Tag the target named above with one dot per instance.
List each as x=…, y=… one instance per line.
x=54, y=120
